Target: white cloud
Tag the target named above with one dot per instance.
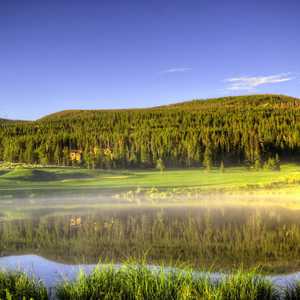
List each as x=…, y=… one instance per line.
x=251, y=83
x=176, y=70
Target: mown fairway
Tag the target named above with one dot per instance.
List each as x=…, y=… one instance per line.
x=74, y=178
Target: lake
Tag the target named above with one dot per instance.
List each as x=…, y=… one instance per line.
x=214, y=234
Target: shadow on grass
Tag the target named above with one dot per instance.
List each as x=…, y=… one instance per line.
x=41, y=175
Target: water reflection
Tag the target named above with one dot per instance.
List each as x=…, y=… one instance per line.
x=210, y=236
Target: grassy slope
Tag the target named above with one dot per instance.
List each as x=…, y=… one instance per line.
x=68, y=178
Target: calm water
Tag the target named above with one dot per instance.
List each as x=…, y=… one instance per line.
x=52, y=273
x=213, y=235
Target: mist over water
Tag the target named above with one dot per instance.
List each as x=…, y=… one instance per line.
x=211, y=232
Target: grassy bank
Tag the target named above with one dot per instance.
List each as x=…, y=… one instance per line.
x=139, y=283
x=19, y=286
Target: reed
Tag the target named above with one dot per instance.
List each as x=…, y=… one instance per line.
x=133, y=281
x=292, y=292
x=20, y=286
x=138, y=282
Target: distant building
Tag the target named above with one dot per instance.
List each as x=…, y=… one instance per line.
x=76, y=155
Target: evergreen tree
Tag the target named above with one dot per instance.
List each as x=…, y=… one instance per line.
x=257, y=165
x=273, y=164
x=160, y=165
x=57, y=155
x=222, y=167
x=277, y=163
x=207, y=161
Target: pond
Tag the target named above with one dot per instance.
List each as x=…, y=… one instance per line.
x=211, y=235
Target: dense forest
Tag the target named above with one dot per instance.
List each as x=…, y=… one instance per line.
x=233, y=130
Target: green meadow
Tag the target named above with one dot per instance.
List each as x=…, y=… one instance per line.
x=231, y=179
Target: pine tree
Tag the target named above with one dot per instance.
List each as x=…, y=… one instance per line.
x=277, y=163
x=160, y=165
x=257, y=165
x=222, y=167
x=207, y=161
x=57, y=155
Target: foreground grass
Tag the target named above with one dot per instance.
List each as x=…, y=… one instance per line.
x=19, y=286
x=137, y=282
x=292, y=292
x=140, y=283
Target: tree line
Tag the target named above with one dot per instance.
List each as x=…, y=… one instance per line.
x=246, y=130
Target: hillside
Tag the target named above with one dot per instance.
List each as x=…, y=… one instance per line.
x=4, y=120
x=237, y=130
x=238, y=102
x=234, y=103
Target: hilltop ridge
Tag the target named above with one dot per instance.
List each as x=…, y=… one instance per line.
x=198, y=104
x=231, y=102
x=257, y=99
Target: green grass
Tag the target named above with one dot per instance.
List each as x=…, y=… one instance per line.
x=137, y=282
x=75, y=178
x=292, y=292
x=20, y=286
x=140, y=283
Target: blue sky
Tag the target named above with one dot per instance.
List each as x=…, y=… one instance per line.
x=57, y=55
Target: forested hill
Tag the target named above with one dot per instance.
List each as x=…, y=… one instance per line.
x=233, y=103
x=235, y=130
x=3, y=120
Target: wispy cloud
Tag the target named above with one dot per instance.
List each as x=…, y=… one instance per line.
x=176, y=70
x=251, y=83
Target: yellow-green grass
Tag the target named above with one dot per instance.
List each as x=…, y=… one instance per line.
x=20, y=286
x=138, y=282
x=75, y=178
